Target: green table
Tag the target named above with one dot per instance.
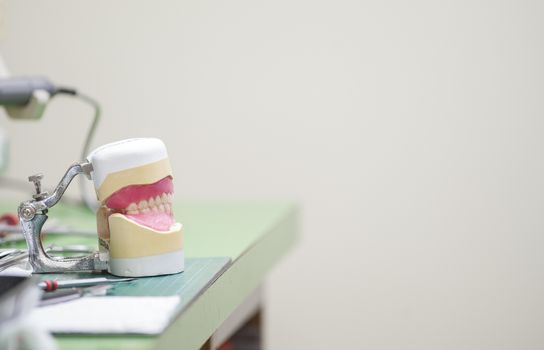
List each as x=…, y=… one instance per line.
x=254, y=235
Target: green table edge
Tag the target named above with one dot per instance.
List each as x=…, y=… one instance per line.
x=257, y=252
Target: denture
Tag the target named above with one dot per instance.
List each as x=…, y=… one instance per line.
x=138, y=234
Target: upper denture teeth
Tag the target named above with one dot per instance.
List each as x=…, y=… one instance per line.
x=155, y=204
x=132, y=209
x=143, y=206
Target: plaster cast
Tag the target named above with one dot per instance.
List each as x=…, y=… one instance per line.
x=136, y=226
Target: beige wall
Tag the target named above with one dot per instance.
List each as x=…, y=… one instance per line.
x=410, y=132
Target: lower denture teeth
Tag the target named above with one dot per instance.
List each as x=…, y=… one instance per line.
x=142, y=205
x=161, y=208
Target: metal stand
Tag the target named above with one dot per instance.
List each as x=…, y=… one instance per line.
x=32, y=216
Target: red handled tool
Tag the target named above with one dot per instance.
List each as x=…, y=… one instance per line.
x=51, y=285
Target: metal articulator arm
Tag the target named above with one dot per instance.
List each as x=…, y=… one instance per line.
x=32, y=216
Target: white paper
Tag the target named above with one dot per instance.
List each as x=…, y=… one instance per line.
x=108, y=315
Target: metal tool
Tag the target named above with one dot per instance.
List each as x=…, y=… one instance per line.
x=61, y=296
x=53, y=230
x=68, y=249
x=14, y=233
x=7, y=252
x=52, y=285
x=32, y=216
x=12, y=257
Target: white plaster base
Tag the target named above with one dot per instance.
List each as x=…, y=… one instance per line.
x=164, y=264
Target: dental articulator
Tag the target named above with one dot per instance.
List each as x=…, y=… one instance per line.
x=136, y=230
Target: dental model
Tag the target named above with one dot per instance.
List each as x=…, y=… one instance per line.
x=137, y=232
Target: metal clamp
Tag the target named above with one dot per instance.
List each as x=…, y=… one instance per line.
x=33, y=214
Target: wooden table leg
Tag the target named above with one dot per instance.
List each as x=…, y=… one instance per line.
x=248, y=336
x=207, y=345
x=243, y=328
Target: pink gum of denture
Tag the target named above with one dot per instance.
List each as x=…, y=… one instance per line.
x=152, y=218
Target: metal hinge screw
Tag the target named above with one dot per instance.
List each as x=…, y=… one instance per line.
x=36, y=179
x=27, y=212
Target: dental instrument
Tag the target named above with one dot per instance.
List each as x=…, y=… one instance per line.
x=52, y=285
